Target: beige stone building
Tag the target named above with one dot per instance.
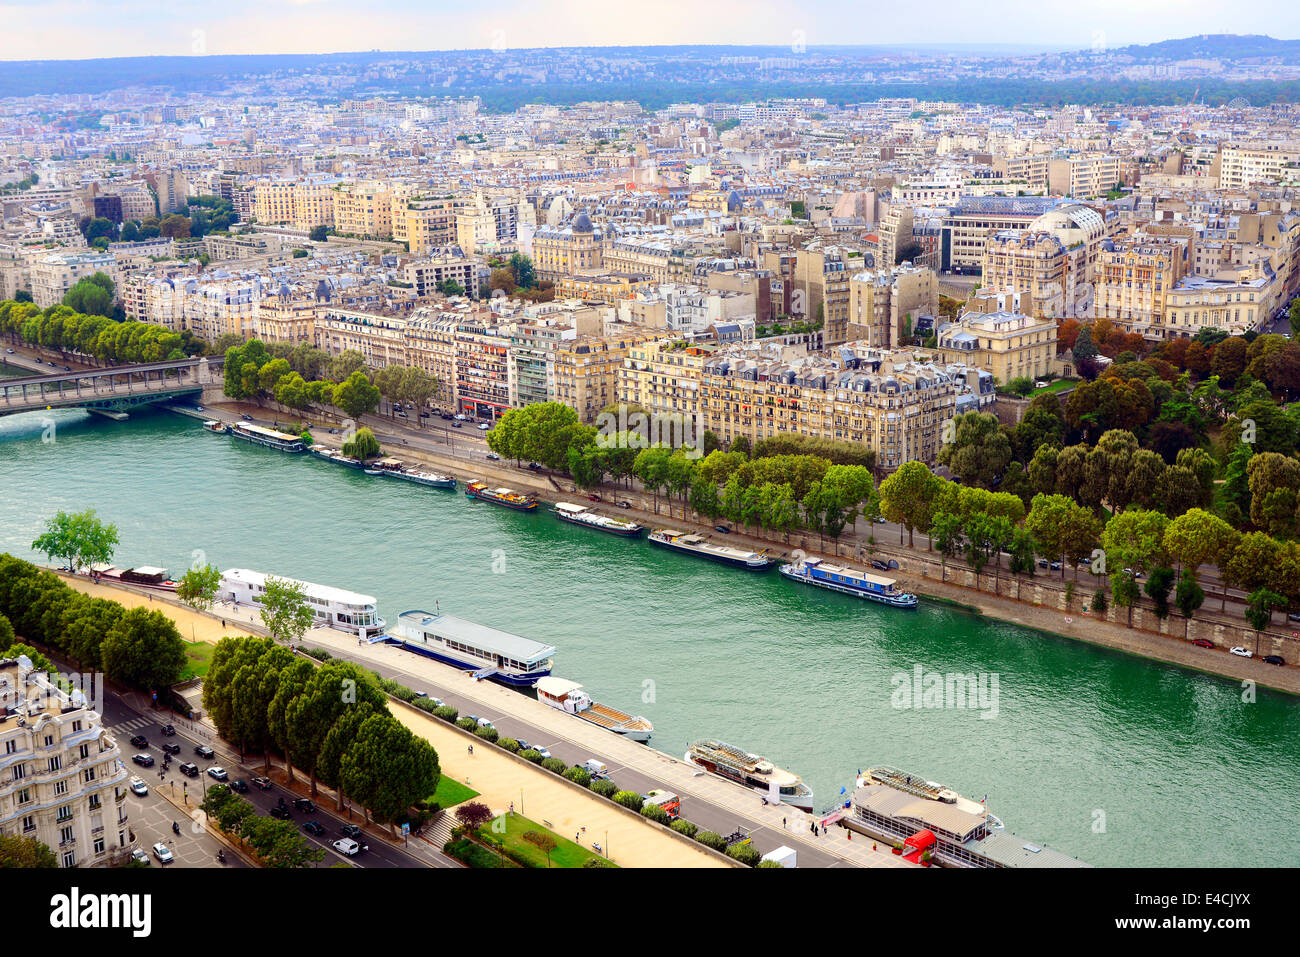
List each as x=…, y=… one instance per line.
x=1134, y=278
x=1009, y=345
x=364, y=209
x=587, y=370
x=884, y=304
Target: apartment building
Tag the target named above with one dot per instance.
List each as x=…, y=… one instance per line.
x=1245, y=165
x=364, y=209
x=424, y=224
x=428, y=274
x=822, y=277
x=1084, y=176
x=53, y=275
x=884, y=304
x=663, y=375
x=482, y=367
x=1134, y=278
x=968, y=225
x=381, y=339
x=62, y=779
x=587, y=370
x=284, y=319
x=431, y=346
x=560, y=251
x=1235, y=306
x=1031, y=170
x=1009, y=345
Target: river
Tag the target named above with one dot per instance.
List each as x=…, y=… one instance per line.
x=1110, y=758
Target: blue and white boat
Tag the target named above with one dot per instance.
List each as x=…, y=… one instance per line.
x=849, y=581
x=497, y=655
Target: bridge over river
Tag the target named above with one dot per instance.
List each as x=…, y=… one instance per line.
x=112, y=391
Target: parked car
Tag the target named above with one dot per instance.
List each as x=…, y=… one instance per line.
x=1203, y=643
x=136, y=854
x=422, y=694
x=246, y=417
x=189, y=770
x=238, y=786
x=541, y=749
x=139, y=787
x=139, y=741
x=1273, y=660
x=281, y=812
x=1040, y=384
x=305, y=805
x=537, y=466
x=163, y=853
x=314, y=827
x=1241, y=652
x=624, y=504
x=494, y=457
x=456, y=425
x=350, y=830
x=170, y=748
x=218, y=774
x=724, y=529
x=485, y=723
x=144, y=760
x=523, y=745
x=203, y=751
x=263, y=783
x=460, y=417
x=877, y=564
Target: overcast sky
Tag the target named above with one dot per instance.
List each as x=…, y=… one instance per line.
x=56, y=29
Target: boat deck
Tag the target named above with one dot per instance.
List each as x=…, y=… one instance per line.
x=612, y=718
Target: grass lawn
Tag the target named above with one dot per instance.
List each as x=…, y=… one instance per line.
x=566, y=853
x=476, y=856
x=1056, y=385
x=198, y=656
x=451, y=792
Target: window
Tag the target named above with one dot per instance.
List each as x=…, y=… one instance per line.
x=70, y=859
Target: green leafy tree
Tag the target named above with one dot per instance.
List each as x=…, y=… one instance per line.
x=285, y=611
x=1259, y=610
x=363, y=445
x=907, y=497
x=980, y=450
x=198, y=587
x=1188, y=596
x=1157, y=588
x=79, y=538
x=26, y=853
x=144, y=650
x=356, y=396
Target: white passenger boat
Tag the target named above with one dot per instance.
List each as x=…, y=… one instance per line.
x=694, y=544
x=486, y=652
x=333, y=607
x=752, y=771
x=582, y=515
x=569, y=697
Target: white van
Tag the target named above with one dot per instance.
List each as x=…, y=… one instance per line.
x=347, y=846
x=596, y=768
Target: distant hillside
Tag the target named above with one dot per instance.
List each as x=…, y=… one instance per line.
x=1216, y=46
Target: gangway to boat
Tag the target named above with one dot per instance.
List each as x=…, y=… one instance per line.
x=483, y=673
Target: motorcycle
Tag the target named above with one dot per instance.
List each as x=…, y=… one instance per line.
x=176, y=828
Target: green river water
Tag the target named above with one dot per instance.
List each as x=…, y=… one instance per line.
x=1112, y=759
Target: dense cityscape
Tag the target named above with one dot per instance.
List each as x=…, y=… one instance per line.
x=901, y=380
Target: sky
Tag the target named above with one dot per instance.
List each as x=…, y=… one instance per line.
x=76, y=29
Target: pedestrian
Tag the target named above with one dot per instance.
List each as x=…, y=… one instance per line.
x=783, y=824
x=512, y=807
x=849, y=833
x=471, y=750
x=873, y=845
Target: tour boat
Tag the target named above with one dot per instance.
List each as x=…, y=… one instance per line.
x=569, y=697
x=581, y=515
x=333, y=607
x=261, y=435
x=849, y=581
x=220, y=428
x=918, y=786
x=485, y=652
x=432, y=479
x=698, y=545
x=500, y=496
x=754, y=772
x=142, y=576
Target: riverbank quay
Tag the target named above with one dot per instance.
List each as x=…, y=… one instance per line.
x=1038, y=602
x=498, y=776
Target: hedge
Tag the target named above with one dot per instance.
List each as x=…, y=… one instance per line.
x=579, y=776
x=469, y=724
x=683, y=826
x=510, y=744
x=556, y=765
x=711, y=839
x=488, y=734
x=447, y=713
x=605, y=787
x=655, y=813
x=629, y=799
x=531, y=755
x=745, y=853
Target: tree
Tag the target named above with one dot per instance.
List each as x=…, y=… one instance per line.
x=198, y=587
x=1188, y=596
x=363, y=445
x=473, y=815
x=80, y=539
x=1157, y=588
x=144, y=650
x=1259, y=610
x=25, y=852
x=319, y=234
x=979, y=451
x=91, y=296
x=1062, y=527
x=387, y=769
x=356, y=396
x=334, y=689
x=948, y=537
x=907, y=497
x=285, y=611
x=1197, y=537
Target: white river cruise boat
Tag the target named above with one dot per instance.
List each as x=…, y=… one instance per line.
x=333, y=607
x=569, y=697
x=752, y=771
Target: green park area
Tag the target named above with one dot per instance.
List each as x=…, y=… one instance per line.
x=451, y=792
x=528, y=842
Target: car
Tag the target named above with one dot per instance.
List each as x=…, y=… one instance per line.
x=218, y=774
x=203, y=751
x=163, y=853
x=494, y=457
x=1042, y=563
x=485, y=723
x=9, y=352
x=305, y=805
x=139, y=787
x=167, y=731
x=724, y=529
x=422, y=694
x=400, y=414
x=139, y=741
x=189, y=770
x=523, y=745
x=1054, y=566
x=484, y=426
x=144, y=760
x=1241, y=652
x=1273, y=660
x=67, y=368
x=350, y=830
x=456, y=425
x=170, y=748
x=1040, y=384
x=246, y=417
x=346, y=846
x=281, y=812
x=139, y=856
x=536, y=466
x=263, y=783
x=541, y=749
x=238, y=786
x=877, y=564
x=460, y=417
x=881, y=520
x=1203, y=643
x=624, y=504
x=313, y=827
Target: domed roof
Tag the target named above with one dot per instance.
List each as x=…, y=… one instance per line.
x=582, y=223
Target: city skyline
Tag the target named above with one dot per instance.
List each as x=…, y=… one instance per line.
x=70, y=29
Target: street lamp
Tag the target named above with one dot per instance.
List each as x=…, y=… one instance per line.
x=521, y=800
